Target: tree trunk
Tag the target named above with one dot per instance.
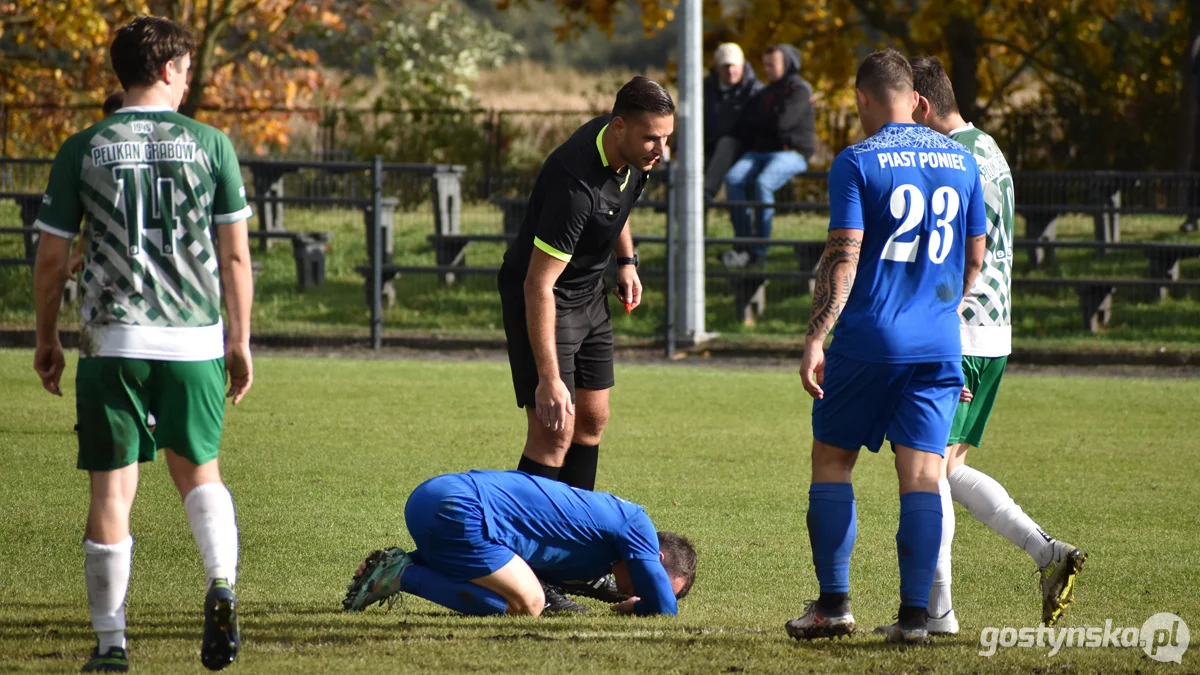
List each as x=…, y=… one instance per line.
x=203, y=58
x=962, y=43
x=200, y=75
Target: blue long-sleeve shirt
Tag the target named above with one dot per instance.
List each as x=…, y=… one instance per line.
x=564, y=533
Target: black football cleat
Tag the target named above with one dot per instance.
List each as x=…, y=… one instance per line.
x=557, y=602
x=603, y=588
x=115, y=660
x=222, y=635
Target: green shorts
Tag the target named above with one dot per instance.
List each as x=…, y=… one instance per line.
x=113, y=396
x=982, y=375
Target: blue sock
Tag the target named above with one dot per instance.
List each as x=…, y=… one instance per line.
x=917, y=542
x=832, y=528
x=460, y=596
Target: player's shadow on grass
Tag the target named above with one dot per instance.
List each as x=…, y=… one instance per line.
x=435, y=626
x=869, y=642
x=306, y=625
x=8, y=609
x=260, y=608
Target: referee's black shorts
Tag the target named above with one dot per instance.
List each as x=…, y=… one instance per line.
x=583, y=336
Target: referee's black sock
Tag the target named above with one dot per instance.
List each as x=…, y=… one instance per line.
x=537, y=468
x=579, y=467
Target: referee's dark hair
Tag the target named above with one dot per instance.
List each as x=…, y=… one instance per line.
x=679, y=559
x=643, y=95
x=931, y=81
x=884, y=75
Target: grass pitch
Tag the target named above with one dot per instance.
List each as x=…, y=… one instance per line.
x=323, y=452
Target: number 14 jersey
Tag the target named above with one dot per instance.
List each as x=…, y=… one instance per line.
x=152, y=184
x=916, y=196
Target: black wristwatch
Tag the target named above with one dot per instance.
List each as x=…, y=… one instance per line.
x=628, y=261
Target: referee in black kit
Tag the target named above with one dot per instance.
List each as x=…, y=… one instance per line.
x=556, y=315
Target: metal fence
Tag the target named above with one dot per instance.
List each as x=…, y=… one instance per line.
x=1098, y=255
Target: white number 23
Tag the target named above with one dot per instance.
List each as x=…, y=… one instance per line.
x=908, y=206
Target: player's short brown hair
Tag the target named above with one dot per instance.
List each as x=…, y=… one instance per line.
x=144, y=46
x=643, y=95
x=885, y=75
x=679, y=559
x=931, y=81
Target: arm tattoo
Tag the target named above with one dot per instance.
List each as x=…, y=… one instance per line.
x=835, y=277
x=848, y=242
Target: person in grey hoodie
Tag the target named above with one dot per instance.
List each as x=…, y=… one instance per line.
x=777, y=131
x=730, y=85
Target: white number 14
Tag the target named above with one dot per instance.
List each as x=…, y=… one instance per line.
x=908, y=206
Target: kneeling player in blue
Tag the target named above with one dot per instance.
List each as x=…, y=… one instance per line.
x=485, y=537
x=908, y=201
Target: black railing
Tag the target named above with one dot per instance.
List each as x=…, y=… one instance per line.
x=1100, y=252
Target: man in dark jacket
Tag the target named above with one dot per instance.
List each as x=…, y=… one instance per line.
x=730, y=85
x=777, y=131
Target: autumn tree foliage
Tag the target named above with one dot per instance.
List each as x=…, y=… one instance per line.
x=251, y=55
x=1098, y=83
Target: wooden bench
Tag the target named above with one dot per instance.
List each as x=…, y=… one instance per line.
x=513, y=210
x=1096, y=295
x=450, y=250
x=30, y=235
x=749, y=285
x=308, y=250
x=1163, y=257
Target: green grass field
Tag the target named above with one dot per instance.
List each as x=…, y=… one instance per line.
x=323, y=452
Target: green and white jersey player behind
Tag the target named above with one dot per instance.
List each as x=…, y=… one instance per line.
x=986, y=328
x=166, y=218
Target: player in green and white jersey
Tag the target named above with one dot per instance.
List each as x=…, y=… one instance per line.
x=986, y=329
x=166, y=211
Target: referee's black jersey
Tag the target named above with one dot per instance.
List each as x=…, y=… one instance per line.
x=577, y=209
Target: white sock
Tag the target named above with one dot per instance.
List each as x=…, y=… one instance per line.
x=989, y=502
x=106, y=568
x=210, y=512
x=939, y=595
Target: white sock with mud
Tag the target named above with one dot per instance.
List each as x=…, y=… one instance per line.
x=939, y=594
x=989, y=502
x=210, y=512
x=106, y=568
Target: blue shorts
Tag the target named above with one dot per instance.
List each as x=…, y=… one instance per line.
x=912, y=403
x=445, y=518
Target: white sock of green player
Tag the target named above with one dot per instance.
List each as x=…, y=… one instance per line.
x=210, y=512
x=989, y=502
x=939, y=595
x=106, y=568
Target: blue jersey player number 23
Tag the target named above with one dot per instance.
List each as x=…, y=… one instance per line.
x=917, y=197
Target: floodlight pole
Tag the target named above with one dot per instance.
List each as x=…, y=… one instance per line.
x=688, y=191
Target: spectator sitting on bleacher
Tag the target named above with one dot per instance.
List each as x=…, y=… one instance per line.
x=777, y=130
x=730, y=85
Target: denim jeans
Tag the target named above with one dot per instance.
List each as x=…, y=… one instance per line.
x=756, y=177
